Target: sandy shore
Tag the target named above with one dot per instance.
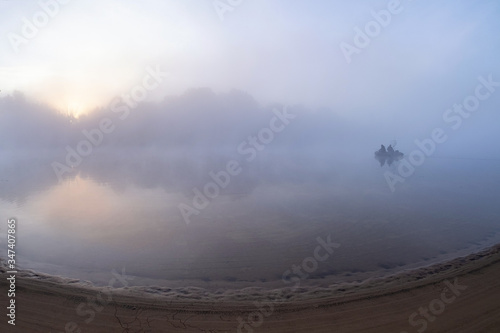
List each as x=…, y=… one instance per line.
x=462, y=295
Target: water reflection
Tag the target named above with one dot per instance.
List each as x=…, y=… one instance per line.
x=121, y=209
x=388, y=156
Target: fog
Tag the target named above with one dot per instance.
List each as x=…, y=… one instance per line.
x=175, y=143
x=116, y=110
x=203, y=121
x=227, y=68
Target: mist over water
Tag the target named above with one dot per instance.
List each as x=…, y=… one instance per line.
x=120, y=206
x=249, y=136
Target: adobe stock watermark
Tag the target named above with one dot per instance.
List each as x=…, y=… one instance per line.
x=453, y=117
x=295, y=274
x=221, y=179
x=223, y=6
x=420, y=319
x=96, y=304
x=372, y=29
x=121, y=106
x=30, y=28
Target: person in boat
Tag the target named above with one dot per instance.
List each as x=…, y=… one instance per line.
x=390, y=150
x=382, y=150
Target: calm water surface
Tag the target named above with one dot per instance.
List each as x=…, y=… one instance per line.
x=121, y=210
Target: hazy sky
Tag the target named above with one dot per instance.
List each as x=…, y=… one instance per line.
x=397, y=82
x=281, y=50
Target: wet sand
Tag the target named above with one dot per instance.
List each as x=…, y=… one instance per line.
x=461, y=295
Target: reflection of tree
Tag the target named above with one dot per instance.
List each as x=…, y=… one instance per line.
x=24, y=173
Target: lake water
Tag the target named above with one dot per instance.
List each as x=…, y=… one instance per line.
x=120, y=210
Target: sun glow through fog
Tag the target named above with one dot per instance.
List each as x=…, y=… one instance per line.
x=76, y=67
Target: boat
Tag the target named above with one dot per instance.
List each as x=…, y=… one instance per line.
x=388, y=155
